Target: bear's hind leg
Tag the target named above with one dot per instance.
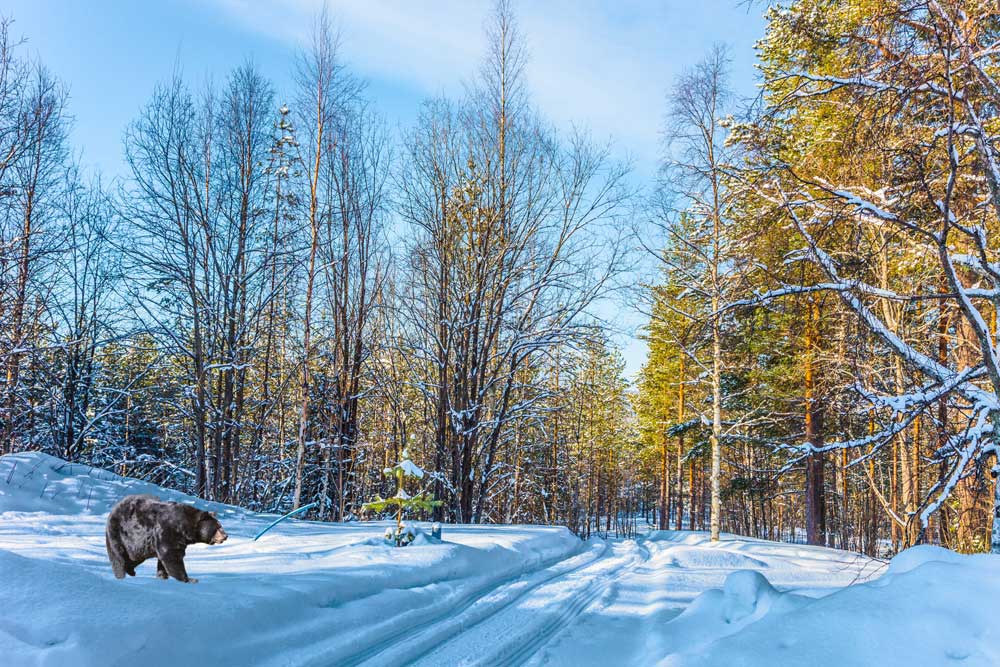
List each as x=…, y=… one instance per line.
x=161, y=571
x=119, y=564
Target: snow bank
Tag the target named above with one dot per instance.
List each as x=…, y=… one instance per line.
x=36, y=482
x=305, y=594
x=932, y=607
x=746, y=597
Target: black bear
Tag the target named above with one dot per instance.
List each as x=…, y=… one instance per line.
x=141, y=527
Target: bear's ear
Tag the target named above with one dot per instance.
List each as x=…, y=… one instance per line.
x=213, y=515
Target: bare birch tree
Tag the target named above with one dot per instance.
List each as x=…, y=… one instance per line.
x=691, y=213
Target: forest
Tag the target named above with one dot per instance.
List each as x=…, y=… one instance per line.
x=285, y=291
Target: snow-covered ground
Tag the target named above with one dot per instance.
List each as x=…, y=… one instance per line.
x=329, y=594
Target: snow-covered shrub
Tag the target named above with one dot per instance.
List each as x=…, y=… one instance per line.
x=408, y=533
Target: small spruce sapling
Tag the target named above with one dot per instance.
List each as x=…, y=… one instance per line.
x=403, y=502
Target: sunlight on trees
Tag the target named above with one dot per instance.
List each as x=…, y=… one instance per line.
x=283, y=298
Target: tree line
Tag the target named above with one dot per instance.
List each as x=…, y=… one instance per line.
x=283, y=292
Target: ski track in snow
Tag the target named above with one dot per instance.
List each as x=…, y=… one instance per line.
x=329, y=594
x=515, y=631
x=613, y=611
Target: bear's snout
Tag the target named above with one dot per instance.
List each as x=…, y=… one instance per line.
x=220, y=536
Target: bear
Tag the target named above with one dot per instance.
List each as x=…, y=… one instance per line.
x=141, y=527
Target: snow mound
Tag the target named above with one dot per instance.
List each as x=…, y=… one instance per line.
x=925, y=553
x=421, y=537
x=743, y=593
x=745, y=597
x=713, y=558
x=36, y=482
x=931, y=608
x=424, y=538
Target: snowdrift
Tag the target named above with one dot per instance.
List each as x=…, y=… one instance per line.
x=931, y=608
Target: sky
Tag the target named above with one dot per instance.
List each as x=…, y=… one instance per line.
x=606, y=66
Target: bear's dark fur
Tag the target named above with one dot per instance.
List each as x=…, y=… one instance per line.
x=141, y=527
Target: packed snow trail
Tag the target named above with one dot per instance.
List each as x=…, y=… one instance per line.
x=514, y=632
x=629, y=625
x=334, y=594
x=615, y=611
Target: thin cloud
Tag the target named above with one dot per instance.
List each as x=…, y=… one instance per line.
x=600, y=66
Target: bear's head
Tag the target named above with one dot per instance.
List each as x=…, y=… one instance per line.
x=210, y=530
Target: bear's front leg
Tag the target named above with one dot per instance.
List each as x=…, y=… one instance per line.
x=173, y=562
x=161, y=572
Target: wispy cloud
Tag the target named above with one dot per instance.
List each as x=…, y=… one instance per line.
x=603, y=66
x=424, y=46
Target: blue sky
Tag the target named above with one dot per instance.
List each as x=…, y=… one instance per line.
x=602, y=65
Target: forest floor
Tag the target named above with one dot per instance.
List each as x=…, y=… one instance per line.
x=333, y=594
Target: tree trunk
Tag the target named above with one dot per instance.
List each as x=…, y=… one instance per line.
x=815, y=472
x=995, y=533
x=680, y=443
x=716, y=438
x=300, y=452
x=664, y=519
x=815, y=463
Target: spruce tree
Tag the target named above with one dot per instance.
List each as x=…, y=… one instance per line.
x=403, y=502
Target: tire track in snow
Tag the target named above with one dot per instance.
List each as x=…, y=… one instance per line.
x=536, y=641
x=515, y=632
x=322, y=648
x=466, y=606
x=478, y=606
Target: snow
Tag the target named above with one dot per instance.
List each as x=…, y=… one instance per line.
x=411, y=469
x=931, y=608
x=334, y=594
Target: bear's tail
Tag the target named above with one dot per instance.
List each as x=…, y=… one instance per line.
x=116, y=556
